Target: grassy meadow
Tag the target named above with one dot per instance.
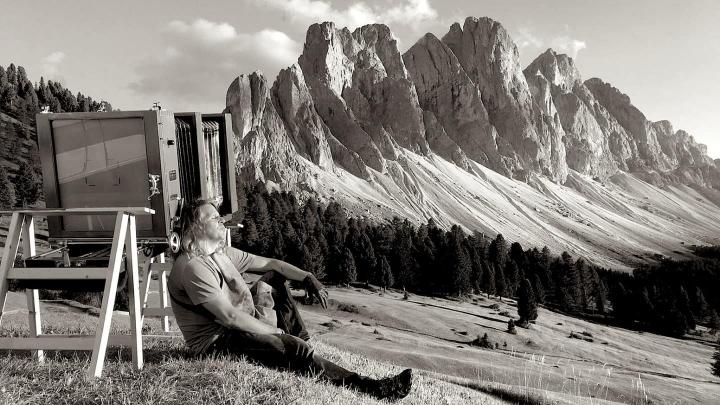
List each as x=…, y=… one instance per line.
x=379, y=333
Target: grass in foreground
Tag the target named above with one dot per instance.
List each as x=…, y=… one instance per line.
x=171, y=375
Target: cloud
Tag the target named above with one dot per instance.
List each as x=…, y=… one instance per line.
x=525, y=38
x=408, y=12
x=50, y=64
x=568, y=45
x=199, y=60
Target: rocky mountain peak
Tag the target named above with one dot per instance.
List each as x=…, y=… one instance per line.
x=247, y=93
x=491, y=60
x=420, y=134
x=379, y=38
x=558, y=69
x=354, y=104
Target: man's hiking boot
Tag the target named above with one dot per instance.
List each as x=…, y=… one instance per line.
x=391, y=388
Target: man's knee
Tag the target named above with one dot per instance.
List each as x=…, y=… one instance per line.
x=273, y=278
x=262, y=294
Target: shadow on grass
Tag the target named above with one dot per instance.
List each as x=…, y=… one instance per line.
x=503, y=393
x=150, y=356
x=460, y=311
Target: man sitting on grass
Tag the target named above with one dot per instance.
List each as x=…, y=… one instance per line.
x=218, y=313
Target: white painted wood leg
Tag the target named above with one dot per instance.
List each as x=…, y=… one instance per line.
x=134, y=307
x=103, y=329
x=164, y=296
x=33, y=296
x=12, y=243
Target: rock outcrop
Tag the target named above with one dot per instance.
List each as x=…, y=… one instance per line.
x=452, y=100
x=420, y=134
x=491, y=60
x=586, y=142
x=353, y=104
x=264, y=149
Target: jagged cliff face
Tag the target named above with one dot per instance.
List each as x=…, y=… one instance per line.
x=400, y=134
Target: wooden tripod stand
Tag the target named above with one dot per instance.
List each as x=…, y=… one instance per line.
x=22, y=230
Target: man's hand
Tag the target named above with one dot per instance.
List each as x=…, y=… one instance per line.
x=315, y=290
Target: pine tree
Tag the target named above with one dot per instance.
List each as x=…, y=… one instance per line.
x=645, y=309
x=543, y=269
x=621, y=307
x=701, y=306
x=684, y=307
x=714, y=321
x=257, y=210
x=476, y=254
x=526, y=303
x=346, y=272
x=7, y=193
x=584, y=283
x=386, y=276
x=539, y=289
x=500, y=283
x=670, y=319
x=248, y=238
x=276, y=245
x=311, y=258
x=336, y=225
x=457, y=262
x=14, y=150
x=484, y=341
x=293, y=244
x=569, y=283
x=363, y=252
x=425, y=252
x=517, y=255
x=716, y=361
x=27, y=186
x=512, y=277
x=497, y=252
x=601, y=298
x=511, y=327
x=403, y=262
x=488, y=282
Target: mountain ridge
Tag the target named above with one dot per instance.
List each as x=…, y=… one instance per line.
x=405, y=129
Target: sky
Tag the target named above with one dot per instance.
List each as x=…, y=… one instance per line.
x=664, y=54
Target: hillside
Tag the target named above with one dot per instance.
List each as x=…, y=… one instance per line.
x=20, y=101
x=371, y=330
x=456, y=130
x=171, y=375
x=17, y=142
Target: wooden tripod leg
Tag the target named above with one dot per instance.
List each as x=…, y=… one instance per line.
x=103, y=331
x=33, y=297
x=134, y=307
x=145, y=285
x=162, y=290
x=8, y=258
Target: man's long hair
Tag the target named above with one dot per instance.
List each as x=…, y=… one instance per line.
x=192, y=229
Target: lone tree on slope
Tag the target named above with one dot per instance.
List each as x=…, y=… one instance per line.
x=511, y=327
x=526, y=304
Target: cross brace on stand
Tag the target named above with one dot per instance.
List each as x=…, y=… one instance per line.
x=124, y=240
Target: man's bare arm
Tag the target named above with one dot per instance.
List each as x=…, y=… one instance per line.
x=263, y=264
x=232, y=318
x=312, y=286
